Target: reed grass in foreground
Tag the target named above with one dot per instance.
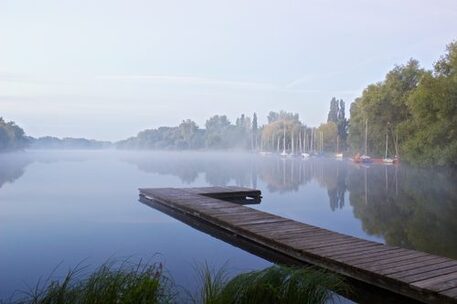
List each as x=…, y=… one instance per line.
x=114, y=283
x=130, y=283
x=275, y=285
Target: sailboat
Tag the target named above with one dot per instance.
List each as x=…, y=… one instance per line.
x=386, y=159
x=262, y=152
x=279, y=139
x=300, y=142
x=321, y=143
x=338, y=155
x=364, y=158
x=284, y=153
x=292, y=149
x=304, y=154
x=311, y=149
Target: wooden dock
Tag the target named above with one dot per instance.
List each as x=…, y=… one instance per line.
x=417, y=275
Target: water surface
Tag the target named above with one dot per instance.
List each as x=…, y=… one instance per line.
x=63, y=207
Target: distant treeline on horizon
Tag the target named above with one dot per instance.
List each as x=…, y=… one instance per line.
x=413, y=111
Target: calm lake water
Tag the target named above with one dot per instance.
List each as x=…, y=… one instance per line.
x=64, y=207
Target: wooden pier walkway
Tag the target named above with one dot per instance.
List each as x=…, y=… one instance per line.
x=417, y=275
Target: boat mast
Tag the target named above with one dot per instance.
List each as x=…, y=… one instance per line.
x=304, y=140
x=337, y=144
x=312, y=141
x=366, y=137
x=300, y=142
x=292, y=142
x=322, y=142
x=284, y=141
x=387, y=142
x=396, y=144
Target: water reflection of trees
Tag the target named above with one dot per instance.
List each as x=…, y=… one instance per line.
x=408, y=207
x=335, y=180
x=217, y=169
x=12, y=167
x=282, y=175
x=279, y=174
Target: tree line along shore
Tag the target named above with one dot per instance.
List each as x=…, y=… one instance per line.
x=412, y=110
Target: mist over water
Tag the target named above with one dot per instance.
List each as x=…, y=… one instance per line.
x=67, y=206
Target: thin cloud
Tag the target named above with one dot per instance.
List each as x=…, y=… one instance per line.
x=7, y=77
x=12, y=77
x=205, y=81
x=190, y=80
x=296, y=83
x=308, y=78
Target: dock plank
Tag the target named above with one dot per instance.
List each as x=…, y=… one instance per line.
x=414, y=274
x=438, y=283
x=355, y=252
x=406, y=269
x=384, y=258
x=429, y=274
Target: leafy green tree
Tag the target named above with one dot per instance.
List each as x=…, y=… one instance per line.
x=383, y=104
x=417, y=108
x=337, y=115
x=329, y=132
x=217, y=123
x=432, y=126
x=342, y=125
x=333, y=113
x=49, y=142
x=189, y=132
x=216, y=129
x=272, y=117
x=273, y=132
x=12, y=137
x=241, y=135
x=282, y=115
x=254, y=131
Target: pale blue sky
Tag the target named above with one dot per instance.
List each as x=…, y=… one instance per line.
x=108, y=69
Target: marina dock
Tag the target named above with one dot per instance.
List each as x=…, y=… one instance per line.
x=417, y=275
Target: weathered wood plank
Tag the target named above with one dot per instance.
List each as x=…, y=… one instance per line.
x=292, y=233
x=426, y=267
x=350, y=251
x=328, y=251
x=356, y=252
x=429, y=274
x=264, y=221
x=378, y=256
x=288, y=228
x=391, y=259
x=442, y=282
x=334, y=245
x=269, y=227
x=407, y=269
